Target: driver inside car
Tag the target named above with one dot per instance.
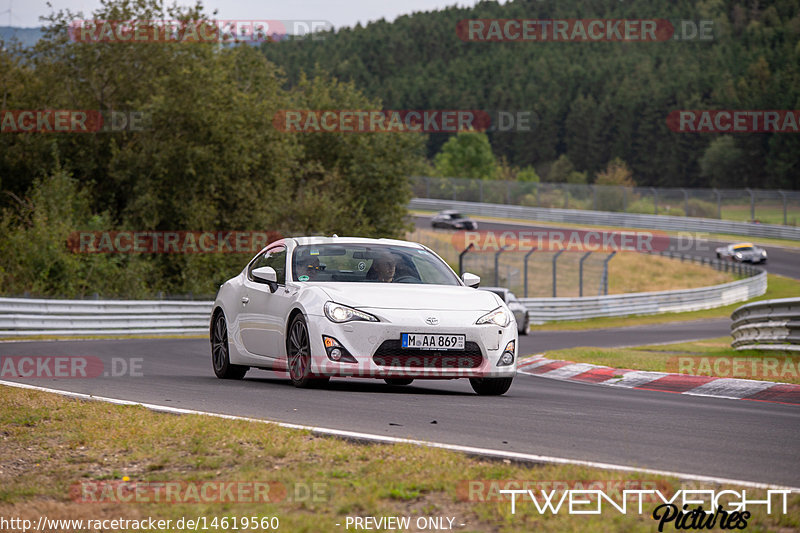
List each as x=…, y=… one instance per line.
x=382, y=269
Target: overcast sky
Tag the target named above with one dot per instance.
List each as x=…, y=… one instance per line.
x=26, y=13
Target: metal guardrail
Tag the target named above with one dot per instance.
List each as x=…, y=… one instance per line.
x=767, y=325
x=608, y=218
x=542, y=310
x=21, y=317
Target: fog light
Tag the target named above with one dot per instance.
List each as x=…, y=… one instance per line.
x=336, y=354
x=506, y=359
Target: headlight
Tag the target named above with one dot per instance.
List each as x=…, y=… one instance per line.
x=738, y=255
x=341, y=313
x=763, y=253
x=498, y=317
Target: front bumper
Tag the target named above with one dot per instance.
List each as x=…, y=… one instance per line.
x=362, y=340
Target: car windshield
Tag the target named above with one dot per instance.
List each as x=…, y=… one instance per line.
x=456, y=215
x=744, y=249
x=369, y=264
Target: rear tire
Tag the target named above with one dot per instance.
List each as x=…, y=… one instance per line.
x=398, y=381
x=490, y=386
x=220, y=351
x=298, y=356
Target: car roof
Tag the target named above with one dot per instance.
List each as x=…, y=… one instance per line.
x=354, y=240
x=449, y=212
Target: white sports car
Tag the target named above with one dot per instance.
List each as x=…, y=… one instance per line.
x=317, y=307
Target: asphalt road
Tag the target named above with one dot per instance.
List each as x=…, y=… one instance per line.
x=735, y=439
x=780, y=260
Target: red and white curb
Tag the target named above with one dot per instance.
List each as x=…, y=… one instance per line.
x=737, y=389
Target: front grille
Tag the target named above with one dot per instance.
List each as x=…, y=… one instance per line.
x=392, y=354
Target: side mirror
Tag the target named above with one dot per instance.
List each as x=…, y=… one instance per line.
x=266, y=275
x=471, y=280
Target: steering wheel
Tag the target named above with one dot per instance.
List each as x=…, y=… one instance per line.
x=406, y=279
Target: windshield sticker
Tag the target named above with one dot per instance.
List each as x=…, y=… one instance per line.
x=362, y=266
x=303, y=278
x=313, y=252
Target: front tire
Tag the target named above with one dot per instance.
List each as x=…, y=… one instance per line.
x=220, y=351
x=490, y=386
x=523, y=330
x=298, y=354
x=398, y=381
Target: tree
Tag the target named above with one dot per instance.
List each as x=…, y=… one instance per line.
x=721, y=162
x=466, y=155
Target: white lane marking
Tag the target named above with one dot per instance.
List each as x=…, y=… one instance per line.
x=488, y=452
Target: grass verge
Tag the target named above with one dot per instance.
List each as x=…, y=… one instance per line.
x=777, y=287
x=696, y=357
x=50, y=443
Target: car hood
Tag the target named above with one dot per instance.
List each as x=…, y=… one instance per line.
x=410, y=296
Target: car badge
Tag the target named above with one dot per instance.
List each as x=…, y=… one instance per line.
x=432, y=320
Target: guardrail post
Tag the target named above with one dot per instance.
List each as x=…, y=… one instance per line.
x=525, y=266
x=719, y=203
x=655, y=199
x=752, y=205
x=461, y=258
x=605, y=272
x=783, y=196
x=580, y=273
x=497, y=265
x=555, y=258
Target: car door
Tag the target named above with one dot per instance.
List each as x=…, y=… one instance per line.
x=260, y=319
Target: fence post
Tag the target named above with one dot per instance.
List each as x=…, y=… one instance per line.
x=655, y=199
x=752, y=205
x=461, y=259
x=453, y=183
x=538, y=203
x=719, y=203
x=783, y=195
x=605, y=272
x=594, y=197
x=566, y=195
x=480, y=191
x=427, y=187
x=624, y=199
x=685, y=202
x=497, y=265
x=508, y=193
x=555, y=258
x=525, y=266
x=580, y=273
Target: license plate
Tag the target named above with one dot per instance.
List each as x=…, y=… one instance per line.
x=432, y=342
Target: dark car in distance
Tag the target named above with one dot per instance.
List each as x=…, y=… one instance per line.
x=452, y=220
